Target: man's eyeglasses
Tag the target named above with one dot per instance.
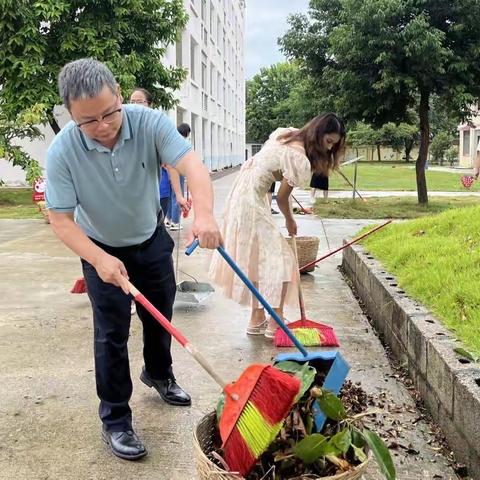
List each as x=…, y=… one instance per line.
x=107, y=118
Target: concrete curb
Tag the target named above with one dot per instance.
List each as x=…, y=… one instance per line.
x=448, y=384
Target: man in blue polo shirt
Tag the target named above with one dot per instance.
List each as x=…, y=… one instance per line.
x=102, y=196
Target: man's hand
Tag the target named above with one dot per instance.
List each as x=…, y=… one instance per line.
x=207, y=232
x=185, y=205
x=291, y=225
x=111, y=270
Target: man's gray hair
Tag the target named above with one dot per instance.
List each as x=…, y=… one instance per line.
x=84, y=78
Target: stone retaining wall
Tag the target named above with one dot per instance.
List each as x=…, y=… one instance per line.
x=448, y=383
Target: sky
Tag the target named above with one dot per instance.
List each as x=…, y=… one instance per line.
x=266, y=21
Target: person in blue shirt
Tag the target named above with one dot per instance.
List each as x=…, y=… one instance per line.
x=103, y=203
x=177, y=202
x=171, y=183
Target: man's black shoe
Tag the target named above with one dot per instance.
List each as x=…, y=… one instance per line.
x=125, y=445
x=168, y=390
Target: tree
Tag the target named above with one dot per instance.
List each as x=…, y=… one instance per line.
x=267, y=106
x=398, y=137
x=361, y=135
x=130, y=36
x=440, y=144
x=379, y=58
x=24, y=126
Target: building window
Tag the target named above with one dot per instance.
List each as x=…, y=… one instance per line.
x=178, y=53
x=212, y=19
x=204, y=71
x=193, y=59
x=212, y=79
x=466, y=142
x=219, y=87
x=204, y=10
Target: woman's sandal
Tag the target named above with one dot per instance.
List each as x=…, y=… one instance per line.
x=257, y=329
x=269, y=333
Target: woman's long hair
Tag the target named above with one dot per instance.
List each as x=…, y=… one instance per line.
x=311, y=135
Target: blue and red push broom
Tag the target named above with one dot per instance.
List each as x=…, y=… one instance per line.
x=256, y=405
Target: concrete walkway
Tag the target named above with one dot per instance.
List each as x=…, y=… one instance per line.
x=48, y=408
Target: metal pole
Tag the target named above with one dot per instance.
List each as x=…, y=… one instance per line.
x=355, y=179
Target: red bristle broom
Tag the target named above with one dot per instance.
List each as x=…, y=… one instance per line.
x=303, y=210
x=79, y=286
x=307, y=332
x=255, y=405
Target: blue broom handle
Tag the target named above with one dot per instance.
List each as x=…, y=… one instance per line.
x=255, y=292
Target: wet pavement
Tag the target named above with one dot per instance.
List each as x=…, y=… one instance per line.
x=48, y=406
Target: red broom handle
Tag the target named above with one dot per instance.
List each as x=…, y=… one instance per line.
x=176, y=334
x=355, y=240
x=301, y=302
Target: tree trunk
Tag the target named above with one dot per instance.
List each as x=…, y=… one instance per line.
x=408, y=149
x=53, y=123
x=378, y=153
x=424, y=143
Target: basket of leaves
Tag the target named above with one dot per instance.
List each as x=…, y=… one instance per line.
x=342, y=450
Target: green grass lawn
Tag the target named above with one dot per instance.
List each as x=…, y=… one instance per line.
x=17, y=203
x=389, y=207
x=396, y=176
x=437, y=261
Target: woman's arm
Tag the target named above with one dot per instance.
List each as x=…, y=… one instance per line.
x=174, y=177
x=283, y=202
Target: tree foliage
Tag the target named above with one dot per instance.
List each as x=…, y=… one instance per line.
x=23, y=126
x=267, y=93
x=38, y=37
x=378, y=59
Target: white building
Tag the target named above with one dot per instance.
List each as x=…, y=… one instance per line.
x=212, y=98
x=469, y=141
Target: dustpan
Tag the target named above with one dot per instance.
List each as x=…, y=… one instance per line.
x=190, y=291
x=193, y=292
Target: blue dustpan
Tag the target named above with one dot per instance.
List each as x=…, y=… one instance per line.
x=330, y=361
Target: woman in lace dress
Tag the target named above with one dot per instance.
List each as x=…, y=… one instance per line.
x=250, y=233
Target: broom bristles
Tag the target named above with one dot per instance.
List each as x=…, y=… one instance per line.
x=79, y=287
x=321, y=335
x=261, y=419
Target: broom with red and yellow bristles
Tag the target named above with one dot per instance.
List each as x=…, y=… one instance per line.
x=308, y=333
x=255, y=405
x=79, y=286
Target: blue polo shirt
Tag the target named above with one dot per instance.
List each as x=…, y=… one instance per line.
x=114, y=193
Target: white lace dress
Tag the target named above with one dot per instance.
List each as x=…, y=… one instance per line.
x=249, y=230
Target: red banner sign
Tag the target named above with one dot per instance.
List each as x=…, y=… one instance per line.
x=39, y=190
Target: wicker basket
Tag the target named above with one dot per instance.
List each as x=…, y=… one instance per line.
x=307, y=248
x=203, y=439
